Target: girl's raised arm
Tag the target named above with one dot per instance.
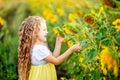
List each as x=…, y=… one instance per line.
x=61, y=58
x=58, y=44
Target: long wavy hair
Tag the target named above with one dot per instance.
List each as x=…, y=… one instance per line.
x=27, y=36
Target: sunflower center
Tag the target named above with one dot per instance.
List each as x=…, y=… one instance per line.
x=118, y=24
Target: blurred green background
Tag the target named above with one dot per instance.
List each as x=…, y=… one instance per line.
x=56, y=13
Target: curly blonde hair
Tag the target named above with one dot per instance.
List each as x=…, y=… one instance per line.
x=27, y=36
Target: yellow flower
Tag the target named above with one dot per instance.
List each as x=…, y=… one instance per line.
x=75, y=14
x=83, y=65
x=114, y=62
x=90, y=20
x=97, y=57
x=62, y=78
x=105, y=49
x=104, y=71
x=70, y=43
x=46, y=12
x=117, y=24
x=110, y=63
x=108, y=3
x=74, y=63
x=1, y=22
x=49, y=15
x=104, y=78
x=66, y=31
x=55, y=30
x=92, y=12
x=100, y=11
x=116, y=71
x=84, y=35
x=60, y=12
x=80, y=60
x=53, y=18
x=71, y=17
x=34, y=5
x=107, y=61
x=47, y=1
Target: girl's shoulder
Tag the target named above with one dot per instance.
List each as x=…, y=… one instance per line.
x=39, y=47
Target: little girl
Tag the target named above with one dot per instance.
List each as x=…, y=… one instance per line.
x=35, y=60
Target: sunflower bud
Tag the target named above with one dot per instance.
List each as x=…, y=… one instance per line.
x=71, y=28
x=60, y=31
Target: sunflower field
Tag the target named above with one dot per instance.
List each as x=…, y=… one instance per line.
x=94, y=24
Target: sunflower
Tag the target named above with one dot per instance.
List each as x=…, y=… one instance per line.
x=108, y=62
x=80, y=59
x=71, y=17
x=55, y=30
x=90, y=20
x=1, y=22
x=70, y=43
x=108, y=3
x=62, y=78
x=117, y=24
x=60, y=31
x=60, y=11
x=71, y=28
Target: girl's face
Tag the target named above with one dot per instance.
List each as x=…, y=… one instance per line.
x=42, y=33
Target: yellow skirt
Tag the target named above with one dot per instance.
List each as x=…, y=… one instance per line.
x=45, y=72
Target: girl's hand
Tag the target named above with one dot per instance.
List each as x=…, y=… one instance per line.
x=59, y=38
x=75, y=47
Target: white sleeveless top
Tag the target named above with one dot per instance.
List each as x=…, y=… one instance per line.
x=38, y=53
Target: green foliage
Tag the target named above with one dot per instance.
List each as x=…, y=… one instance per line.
x=12, y=14
x=76, y=16
x=8, y=58
x=117, y=38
